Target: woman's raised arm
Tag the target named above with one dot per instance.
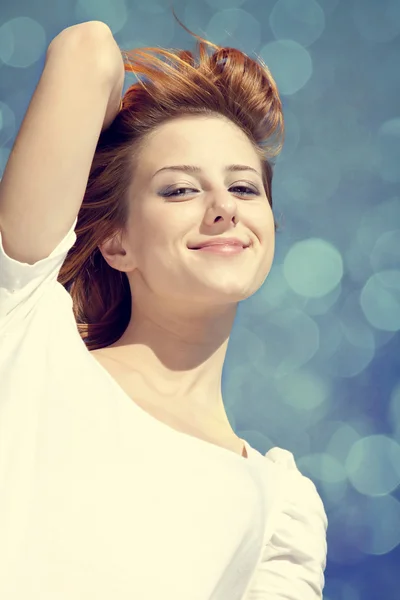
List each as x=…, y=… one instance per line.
x=78, y=95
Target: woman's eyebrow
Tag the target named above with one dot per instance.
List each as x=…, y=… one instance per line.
x=196, y=169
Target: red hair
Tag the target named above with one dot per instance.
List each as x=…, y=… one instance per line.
x=226, y=83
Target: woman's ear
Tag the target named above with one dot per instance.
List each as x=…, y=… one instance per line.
x=116, y=253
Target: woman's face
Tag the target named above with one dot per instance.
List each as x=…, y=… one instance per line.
x=167, y=222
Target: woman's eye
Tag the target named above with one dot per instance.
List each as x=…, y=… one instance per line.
x=249, y=190
x=175, y=192
x=237, y=187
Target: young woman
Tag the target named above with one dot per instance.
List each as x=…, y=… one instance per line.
x=128, y=236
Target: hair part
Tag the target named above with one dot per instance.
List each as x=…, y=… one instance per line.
x=226, y=84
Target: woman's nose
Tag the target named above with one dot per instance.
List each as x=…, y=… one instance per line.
x=225, y=209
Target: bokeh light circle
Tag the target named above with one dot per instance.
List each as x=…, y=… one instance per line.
x=290, y=65
x=373, y=465
x=313, y=267
x=380, y=300
x=302, y=22
x=22, y=42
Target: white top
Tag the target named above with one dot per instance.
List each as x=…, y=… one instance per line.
x=99, y=500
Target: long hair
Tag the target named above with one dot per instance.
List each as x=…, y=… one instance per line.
x=226, y=83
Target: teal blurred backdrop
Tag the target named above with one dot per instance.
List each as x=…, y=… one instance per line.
x=313, y=363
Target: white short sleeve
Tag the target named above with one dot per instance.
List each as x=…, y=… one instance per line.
x=22, y=284
x=294, y=560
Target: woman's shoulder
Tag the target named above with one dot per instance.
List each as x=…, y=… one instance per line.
x=301, y=522
x=295, y=552
x=299, y=491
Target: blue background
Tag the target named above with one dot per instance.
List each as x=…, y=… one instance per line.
x=313, y=364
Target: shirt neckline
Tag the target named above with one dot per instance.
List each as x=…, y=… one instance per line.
x=126, y=400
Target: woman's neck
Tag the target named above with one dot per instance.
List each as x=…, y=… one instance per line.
x=176, y=363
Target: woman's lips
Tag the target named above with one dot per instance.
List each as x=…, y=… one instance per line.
x=226, y=249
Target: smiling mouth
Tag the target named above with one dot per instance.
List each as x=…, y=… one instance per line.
x=225, y=249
